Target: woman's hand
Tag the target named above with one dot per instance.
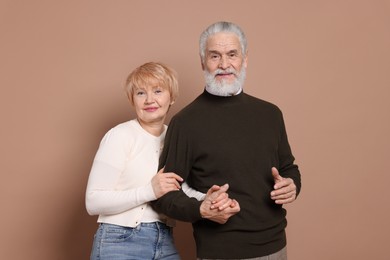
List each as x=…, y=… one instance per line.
x=164, y=182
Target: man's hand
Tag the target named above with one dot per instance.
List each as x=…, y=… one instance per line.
x=217, y=206
x=285, y=190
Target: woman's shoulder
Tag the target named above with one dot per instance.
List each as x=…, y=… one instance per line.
x=124, y=126
x=122, y=130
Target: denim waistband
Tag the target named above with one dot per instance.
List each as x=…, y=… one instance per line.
x=156, y=224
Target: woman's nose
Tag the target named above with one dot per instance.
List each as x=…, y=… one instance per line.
x=149, y=99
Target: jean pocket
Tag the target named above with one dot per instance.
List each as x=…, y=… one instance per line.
x=117, y=234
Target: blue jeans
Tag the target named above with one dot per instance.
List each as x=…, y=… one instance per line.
x=147, y=241
x=280, y=255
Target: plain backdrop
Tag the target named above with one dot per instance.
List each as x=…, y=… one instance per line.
x=324, y=63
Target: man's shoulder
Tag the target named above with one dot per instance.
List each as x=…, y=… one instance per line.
x=191, y=109
x=261, y=102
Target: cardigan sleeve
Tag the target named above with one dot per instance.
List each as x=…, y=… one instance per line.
x=190, y=192
x=176, y=157
x=102, y=197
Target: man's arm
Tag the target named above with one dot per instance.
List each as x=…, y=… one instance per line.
x=177, y=157
x=287, y=168
x=287, y=178
x=198, y=210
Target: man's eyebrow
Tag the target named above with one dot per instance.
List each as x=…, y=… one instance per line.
x=234, y=51
x=213, y=52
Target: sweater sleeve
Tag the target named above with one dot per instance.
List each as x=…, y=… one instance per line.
x=102, y=197
x=176, y=157
x=287, y=167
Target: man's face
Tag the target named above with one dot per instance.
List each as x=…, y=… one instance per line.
x=224, y=58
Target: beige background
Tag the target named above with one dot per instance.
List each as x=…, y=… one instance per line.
x=324, y=63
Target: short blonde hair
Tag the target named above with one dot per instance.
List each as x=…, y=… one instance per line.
x=150, y=73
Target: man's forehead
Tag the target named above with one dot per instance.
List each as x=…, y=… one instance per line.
x=223, y=40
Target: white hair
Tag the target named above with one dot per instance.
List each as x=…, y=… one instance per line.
x=221, y=27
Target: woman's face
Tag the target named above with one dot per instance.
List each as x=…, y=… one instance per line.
x=151, y=103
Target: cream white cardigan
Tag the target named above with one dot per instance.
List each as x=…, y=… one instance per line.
x=119, y=186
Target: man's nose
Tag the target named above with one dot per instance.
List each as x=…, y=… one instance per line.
x=224, y=62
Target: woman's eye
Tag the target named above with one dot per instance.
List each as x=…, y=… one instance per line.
x=140, y=93
x=158, y=91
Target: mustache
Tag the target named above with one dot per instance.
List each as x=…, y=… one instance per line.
x=227, y=71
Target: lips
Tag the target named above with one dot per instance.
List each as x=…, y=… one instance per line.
x=150, y=109
x=224, y=74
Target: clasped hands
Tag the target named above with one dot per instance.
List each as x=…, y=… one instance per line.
x=218, y=207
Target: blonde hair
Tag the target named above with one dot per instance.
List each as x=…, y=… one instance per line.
x=150, y=73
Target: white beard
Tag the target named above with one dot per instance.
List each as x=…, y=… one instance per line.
x=222, y=88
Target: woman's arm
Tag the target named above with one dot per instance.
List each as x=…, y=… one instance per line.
x=190, y=192
x=102, y=197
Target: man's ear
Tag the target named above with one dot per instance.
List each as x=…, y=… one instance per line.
x=201, y=62
x=246, y=59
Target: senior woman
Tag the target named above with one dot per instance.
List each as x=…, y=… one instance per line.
x=123, y=177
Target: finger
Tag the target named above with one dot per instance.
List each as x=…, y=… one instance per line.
x=220, y=197
x=285, y=201
x=217, y=193
x=221, y=205
x=223, y=202
x=235, y=208
x=285, y=183
x=170, y=187
x=282, y=190
x=226, y=205
x=214, y=192
x=171, y=183
x=220, y=200
x=161, y=170
x=224, y=188
x=172, y=175
x=284, y=195
x=215, y=188
x=276, y=175
x=176, y=184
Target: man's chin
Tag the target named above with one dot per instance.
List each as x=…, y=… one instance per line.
x=224, y=80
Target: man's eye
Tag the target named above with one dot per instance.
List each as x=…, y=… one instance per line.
x=233, y=55
x=214, y=56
